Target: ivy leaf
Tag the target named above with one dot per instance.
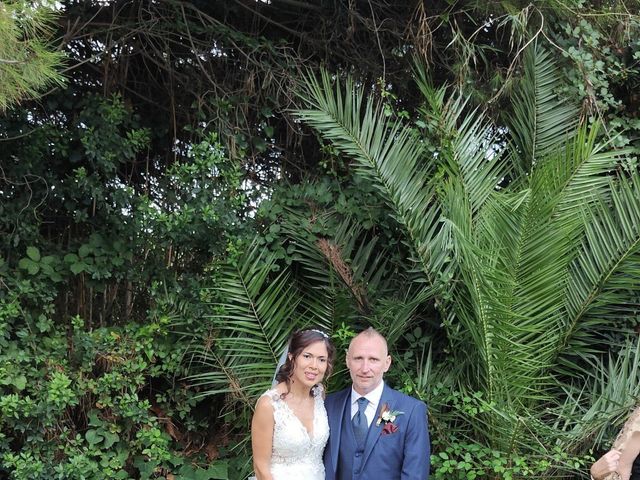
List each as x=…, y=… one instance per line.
x=76, y=268
x=217, y=471
x=20, y=382
x=94, y=419
x=93, y=436
x=29, y=265
x=146, y=468
x=84, y=250
x=70, y=258
x=110, y=439
x=33, y=253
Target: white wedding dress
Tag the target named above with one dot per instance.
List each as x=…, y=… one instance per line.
x=296, y=454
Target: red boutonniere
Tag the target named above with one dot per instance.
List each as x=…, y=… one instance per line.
x=388, y=417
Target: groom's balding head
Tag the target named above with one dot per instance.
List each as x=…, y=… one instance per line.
x=371, y=333
x=367, y=359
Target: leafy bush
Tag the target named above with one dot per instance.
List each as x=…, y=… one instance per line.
x=91, y=366
x=95, y=404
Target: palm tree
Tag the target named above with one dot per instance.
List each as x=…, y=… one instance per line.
x=261, y=304
x=528, y=235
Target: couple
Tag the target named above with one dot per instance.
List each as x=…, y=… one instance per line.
x=373, y=431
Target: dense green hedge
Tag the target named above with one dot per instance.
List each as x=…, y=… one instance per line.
x=165, y=219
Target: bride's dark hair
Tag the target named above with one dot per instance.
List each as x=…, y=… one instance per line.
x=297, y=343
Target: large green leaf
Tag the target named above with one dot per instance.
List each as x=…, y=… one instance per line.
x=251, y=330
x=385, y=152
x=606, y=273
x=539, y=121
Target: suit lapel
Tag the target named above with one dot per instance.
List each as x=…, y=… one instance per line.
x=335, y=425
x=375, y=430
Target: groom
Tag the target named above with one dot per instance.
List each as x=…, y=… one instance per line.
x=377, y=433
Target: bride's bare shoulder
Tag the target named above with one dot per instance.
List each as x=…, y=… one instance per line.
x=266, y=404
x=271, y=396
x=281, y=388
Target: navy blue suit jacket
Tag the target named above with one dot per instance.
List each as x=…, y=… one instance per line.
x=402, y=455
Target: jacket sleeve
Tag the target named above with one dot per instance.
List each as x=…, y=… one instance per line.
x=417, y=449
x=328, y=460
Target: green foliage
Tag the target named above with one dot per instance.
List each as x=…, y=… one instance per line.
x=496, y=249
x=523, y=265
x=80, y=405
x=28, y=63
x=604, y=58
x=317, y=208
x=90, y=363
x=469, y=461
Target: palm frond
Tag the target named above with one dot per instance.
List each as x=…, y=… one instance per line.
x=340, y=275
x=386, y=152
x=530, y=247
x=469, y=147
x=253, y=325
x=606, y=273
x=539, y=121
x=507, y=296
x=513, y=262
x=583, y=174
x=395, y=315
x=602, y=396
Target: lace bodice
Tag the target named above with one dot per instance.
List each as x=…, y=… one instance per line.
x=296, y=454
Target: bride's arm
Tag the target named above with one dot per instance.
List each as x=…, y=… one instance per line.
x=606, y=465
x=262, y=438
x=616, y=461
x=629, y=454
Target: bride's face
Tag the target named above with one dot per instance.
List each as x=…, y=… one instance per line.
x=311, y=364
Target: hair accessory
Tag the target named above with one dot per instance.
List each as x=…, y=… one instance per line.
x=319, y=331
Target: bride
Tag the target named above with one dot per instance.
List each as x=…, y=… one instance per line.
x=289, y=429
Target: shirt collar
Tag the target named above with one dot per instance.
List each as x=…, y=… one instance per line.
x=373, y=396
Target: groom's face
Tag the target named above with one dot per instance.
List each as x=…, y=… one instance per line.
x=367, y=360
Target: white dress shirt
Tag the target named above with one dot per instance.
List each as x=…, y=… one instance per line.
x=372, y=407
